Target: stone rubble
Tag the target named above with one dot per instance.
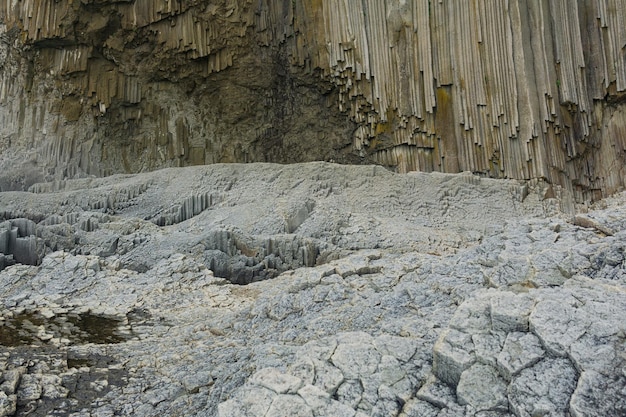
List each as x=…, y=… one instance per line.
x=491, y=313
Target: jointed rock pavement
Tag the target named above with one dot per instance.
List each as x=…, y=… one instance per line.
x=309, y=290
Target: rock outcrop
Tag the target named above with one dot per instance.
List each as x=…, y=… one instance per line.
x=392, y=295
x=518, y=89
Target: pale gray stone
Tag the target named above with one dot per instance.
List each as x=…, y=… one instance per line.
x=509, y=271
x=597, y=394
x=481, y=387
x=327, y=376
x=52, y=387
x=473, y=315
x=547, y=268
x=510, y=311
x=29, y=388
x=594, y=354
x=276, y=380
x=11, y=378
x=543, y=389
x=255, y=402
x=289, y=406
x=356, y=359
x=452, y=354
x=520, y=351
x=402, y=348
x=437, y=393
x=558, y=324
x=8, y=404
x=417, y=408
x=350, y=392
x=303, y=368
x=335, y=409
x=390, y=370
x=487, y=346
x=315, y=397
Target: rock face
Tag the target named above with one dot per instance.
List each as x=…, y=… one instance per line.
x=517, y=89
x=392, y=295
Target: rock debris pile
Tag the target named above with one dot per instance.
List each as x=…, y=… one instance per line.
x=390, y=295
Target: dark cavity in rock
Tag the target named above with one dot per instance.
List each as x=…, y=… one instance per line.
x=33, y=328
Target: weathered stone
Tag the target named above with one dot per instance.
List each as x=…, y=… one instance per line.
x=327, y=376
x=277, y=381
x=417, y=408
x=336, y=409
x=473, y=316
x=150, y=330
x=256, y=402
x=315, y=397
x=289, y=405
x=52, y=387
x=356, y=359
x=558, y=324
x=350, y=392
x=520, y=351
x=29, y=389
x=510, y=271
x=483, y=388
x=11, y=379
x=437, y=393
x=8, y=404
x=598, y=395
x=452, y=354
x=487, y=346
x=544, y=389
x=509, y=312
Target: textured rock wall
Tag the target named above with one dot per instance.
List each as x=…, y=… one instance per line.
x=519, y=89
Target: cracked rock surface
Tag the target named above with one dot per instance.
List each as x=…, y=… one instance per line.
x=366, y=293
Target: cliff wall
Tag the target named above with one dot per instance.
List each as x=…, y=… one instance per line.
x=509, y=89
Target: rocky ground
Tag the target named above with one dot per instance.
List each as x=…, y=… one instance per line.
x=310, y=290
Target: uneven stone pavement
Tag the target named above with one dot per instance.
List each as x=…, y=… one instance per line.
x=390, y=295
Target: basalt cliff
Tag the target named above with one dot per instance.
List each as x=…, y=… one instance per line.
x=518, y=89
x=313, y=282
x=311, y=290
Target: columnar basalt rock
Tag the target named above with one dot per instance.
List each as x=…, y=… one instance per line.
x=518, y=89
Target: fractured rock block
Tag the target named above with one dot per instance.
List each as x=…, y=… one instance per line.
x=255, y=402
x=543, y=389
x=277, y=381
x=483, y=388
x=25, y=250
x=29, y=389
x=452, y=354
x=488, y=346
x=8, y=404
x=558, y=325
x=356, y=360
x=473, y=316
x=417, y=408
x=11, y=379
x=597, y=394
x=437, y=393
x=289, y=405
x=520, y=351
x=510, y=312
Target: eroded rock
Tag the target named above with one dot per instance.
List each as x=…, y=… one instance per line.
x=389, y=321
